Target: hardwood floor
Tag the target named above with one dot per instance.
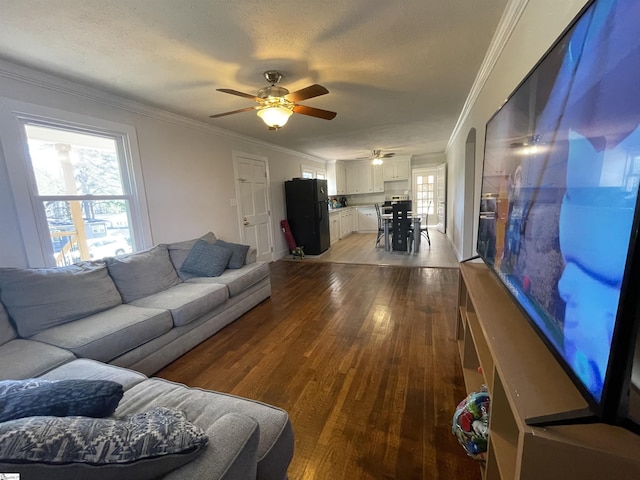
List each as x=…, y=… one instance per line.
x=360, y=248
x=363, y=358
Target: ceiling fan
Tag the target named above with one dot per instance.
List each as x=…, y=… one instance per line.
x=276, y=103
x=377, y=156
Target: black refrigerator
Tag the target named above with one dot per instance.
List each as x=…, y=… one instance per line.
x=308, y=213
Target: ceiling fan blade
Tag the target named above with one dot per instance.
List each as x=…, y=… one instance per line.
x=314, y=112
x=246, y=109
x=239, y=94
x=388, y=155
x=311, y=91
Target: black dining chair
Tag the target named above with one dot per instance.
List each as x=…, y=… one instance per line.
x=424, y=231
x=402, y=228
x=380, y=225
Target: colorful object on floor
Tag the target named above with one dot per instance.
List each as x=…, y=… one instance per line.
x=471, y=424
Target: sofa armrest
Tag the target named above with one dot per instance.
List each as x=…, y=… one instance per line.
x=232, y=453
x=252, y=255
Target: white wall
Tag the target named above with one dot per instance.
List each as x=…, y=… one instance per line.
x=541, y=22
x=187, y=165
x=428, y=160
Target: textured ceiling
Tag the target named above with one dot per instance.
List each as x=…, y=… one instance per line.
x=398, y=71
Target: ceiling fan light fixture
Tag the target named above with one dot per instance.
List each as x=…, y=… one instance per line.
x=275, y=116
x=376, y=161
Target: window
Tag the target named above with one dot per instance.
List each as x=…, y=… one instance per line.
x=307, y=171
x=425, y=190
x=75, y=183
x=85, y=196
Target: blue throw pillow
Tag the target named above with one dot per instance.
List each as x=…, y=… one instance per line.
x=206, y=259
x=239, y=253
x=61, y=398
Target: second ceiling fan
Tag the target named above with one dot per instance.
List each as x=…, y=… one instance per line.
x=276, y=103
x=377, y=156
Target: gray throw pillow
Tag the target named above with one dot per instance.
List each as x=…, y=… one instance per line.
x=41, y=298
x=207, y=259
x=61, y=398
x=143, y=273
x=141, y=446
x=238, y=253
x=188, y=244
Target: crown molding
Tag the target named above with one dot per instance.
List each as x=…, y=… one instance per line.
x=47, y=81
x=508, y=21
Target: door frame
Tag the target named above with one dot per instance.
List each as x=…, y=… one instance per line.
x=238, y=200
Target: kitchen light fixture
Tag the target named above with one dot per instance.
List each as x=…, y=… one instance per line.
x=376, y=161
x=275, y=116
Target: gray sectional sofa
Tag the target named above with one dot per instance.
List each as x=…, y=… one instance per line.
x=126, y=317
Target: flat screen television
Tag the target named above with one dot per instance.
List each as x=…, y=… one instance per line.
x=559, y=206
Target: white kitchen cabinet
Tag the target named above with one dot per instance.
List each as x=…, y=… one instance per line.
x=346, y=222
x=396, y=169
x=378, y=178
x=334, y=226
x=367, y=219
x=341, y=223
x=360, y=178
x=352, y=178
x=341, y=187
x=365, y=171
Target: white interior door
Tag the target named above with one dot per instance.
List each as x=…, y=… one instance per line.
x=252, y=188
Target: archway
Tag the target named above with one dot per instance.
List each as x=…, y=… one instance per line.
x=468, y=248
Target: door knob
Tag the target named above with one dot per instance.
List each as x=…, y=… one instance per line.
x=246, y=222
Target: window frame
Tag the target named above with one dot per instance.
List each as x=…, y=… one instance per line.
x=314, y=172
x=29, y=204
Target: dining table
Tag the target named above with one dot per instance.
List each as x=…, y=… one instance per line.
x=387, y=220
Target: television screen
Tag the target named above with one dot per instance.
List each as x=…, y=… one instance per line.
x=559, y=193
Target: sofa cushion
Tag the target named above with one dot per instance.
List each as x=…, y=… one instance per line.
x=232, y=452
x=7, y=332
x=87, y=398
x=41, y=298
x=237, y=281
x=204, y=408
x=88, y=369
x=186, y=301
x=143, y=445
x=178, y=252
x=28, y=358
x=108, y=334
x=143, y=273
x=238, y=253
